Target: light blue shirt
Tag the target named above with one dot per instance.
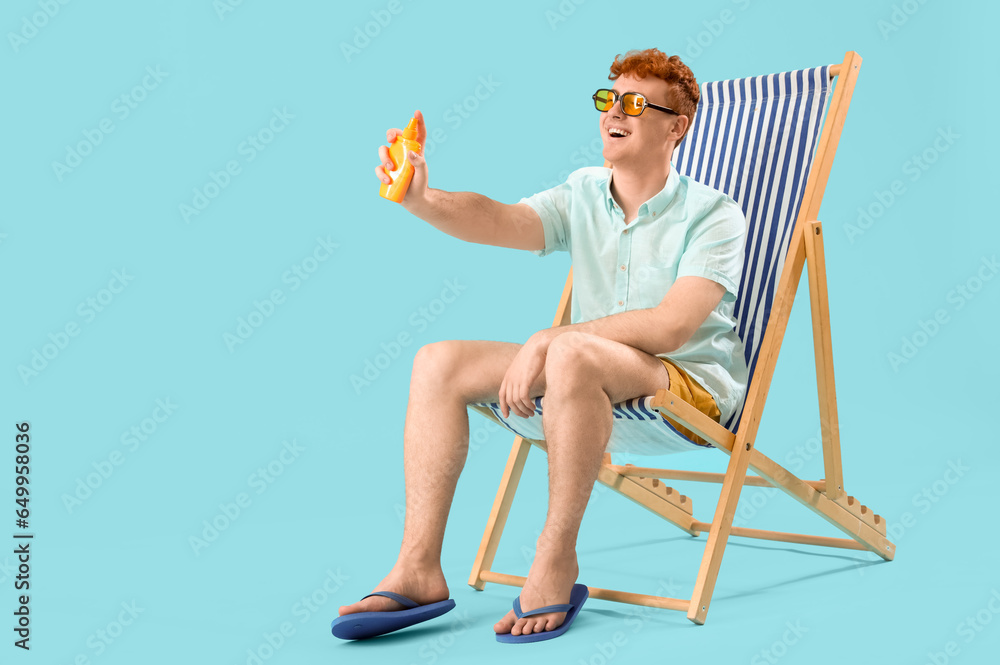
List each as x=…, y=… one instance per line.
x=685, y=229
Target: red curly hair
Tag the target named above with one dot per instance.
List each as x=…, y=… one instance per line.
x=653, y=62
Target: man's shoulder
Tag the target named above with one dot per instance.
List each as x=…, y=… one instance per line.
x=701, y=197
x=696, y=190
x=589, y=175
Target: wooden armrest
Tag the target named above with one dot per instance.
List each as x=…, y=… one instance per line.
x=693, y=419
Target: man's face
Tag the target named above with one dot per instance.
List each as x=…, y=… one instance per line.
x=648, y=134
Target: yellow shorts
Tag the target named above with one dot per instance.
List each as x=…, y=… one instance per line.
x=691, y=392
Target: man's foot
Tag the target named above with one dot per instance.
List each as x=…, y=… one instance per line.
x=423, y=586
x=550, y=582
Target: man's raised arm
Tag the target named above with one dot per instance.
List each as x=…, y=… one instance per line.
x=477, y=218
x=465, y=215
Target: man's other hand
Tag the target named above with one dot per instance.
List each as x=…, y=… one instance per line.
x=525, y=368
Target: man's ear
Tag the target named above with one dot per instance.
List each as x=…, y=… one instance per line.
x=680, y=127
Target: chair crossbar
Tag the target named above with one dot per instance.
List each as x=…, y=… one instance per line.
x=660, y=602
x=698, y=476
x=785, y=537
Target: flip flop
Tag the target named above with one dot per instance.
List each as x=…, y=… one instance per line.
x=577, y=597
x=361, y=625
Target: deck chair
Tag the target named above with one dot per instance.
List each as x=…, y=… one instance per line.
x=760, y=141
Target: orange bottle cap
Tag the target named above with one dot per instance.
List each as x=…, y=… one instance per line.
x=410, y=133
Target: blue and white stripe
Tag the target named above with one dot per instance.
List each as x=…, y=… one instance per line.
x=636, y=428
x=754, y=139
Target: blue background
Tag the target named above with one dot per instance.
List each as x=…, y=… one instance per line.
x=333, y=515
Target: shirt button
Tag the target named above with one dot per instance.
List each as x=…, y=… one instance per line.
x=623, y=267
x=620, y=302
x=626, y=231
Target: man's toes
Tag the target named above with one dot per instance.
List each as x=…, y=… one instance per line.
x=541, y=623
x=534, y=624
x=373, y=604
x=505, y=624
x=348, y=609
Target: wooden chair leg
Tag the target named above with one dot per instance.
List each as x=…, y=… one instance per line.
x=816, y=268
x=501, y=508
x=718, y=535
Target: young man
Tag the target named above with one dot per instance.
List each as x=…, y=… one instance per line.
x=657, y=262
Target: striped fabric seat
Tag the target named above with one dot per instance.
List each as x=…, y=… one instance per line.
x=753, y=139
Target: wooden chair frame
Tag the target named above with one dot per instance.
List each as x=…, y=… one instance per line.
x=826, y=497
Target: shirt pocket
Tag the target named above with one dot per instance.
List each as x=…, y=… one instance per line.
x=648, y=284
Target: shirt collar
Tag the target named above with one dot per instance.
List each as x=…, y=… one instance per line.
x=653, y=206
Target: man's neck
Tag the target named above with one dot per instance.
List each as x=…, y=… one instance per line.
x=633, y=187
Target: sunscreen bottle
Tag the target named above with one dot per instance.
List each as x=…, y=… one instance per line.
x=402, y=169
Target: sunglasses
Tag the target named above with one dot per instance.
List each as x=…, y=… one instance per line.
x=633, y=103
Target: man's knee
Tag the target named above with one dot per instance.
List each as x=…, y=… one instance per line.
x=437, y=359
x=571, y=357
x=456, y=366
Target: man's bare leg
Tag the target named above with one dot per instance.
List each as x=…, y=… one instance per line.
x=585, y=375
x=446, y=377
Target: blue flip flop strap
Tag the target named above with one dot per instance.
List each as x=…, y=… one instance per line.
x=565, y=607
x=395, y=596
